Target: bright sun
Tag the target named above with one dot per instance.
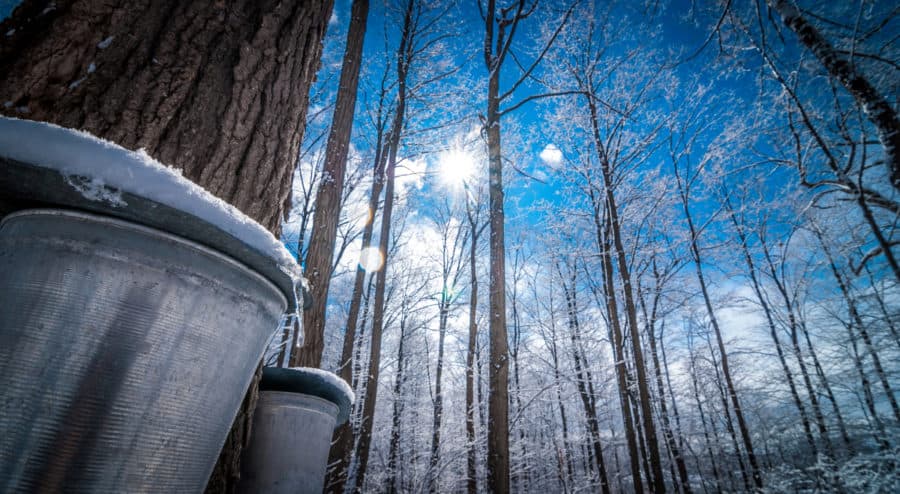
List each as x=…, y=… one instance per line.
x=456, y=167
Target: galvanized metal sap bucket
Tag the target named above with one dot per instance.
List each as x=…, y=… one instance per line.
x=293, y=424
x=127, y=339
x=124, y=353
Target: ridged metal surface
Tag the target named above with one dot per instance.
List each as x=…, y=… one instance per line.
x=124, y=354
x=288, y=451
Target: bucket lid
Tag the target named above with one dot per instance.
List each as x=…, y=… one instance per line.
x=43, y=164
x=309, y=381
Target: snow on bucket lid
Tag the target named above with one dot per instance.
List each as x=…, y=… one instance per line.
x=46, y=163
x=313, y=382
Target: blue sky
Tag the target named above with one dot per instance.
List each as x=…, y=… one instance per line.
x=527, y=133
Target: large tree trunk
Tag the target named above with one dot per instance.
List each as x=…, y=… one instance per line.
x=328, y=198
x=216, y=89
x=498, y=363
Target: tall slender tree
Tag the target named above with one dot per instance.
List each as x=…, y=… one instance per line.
x=500, y=26
x=328, y=198
x=684, y=186
x=476, y=228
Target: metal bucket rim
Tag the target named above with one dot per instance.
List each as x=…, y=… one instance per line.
x=147, y=230
x=294, y=380
x=40, y=186
x=318, y=399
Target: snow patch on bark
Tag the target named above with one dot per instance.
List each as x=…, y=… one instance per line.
x=105, y=43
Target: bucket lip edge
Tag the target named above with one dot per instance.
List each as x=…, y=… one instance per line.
x=134, y=226
x=297, y=380
x=42, y=186
x=337, y=408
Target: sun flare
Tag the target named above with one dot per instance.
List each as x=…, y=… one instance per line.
x=456, y=167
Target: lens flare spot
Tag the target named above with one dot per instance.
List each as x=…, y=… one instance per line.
x=370, y=259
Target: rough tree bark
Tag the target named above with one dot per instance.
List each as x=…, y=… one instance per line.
x=328, y=198
x=216, y=89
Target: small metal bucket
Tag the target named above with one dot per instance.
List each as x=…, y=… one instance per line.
x=293, y=423
x=125, y=352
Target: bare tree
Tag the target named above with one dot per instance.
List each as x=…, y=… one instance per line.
x=454, y=240
x=501, y=24
x=328, y=198
x=684, y=187
x=876, y=106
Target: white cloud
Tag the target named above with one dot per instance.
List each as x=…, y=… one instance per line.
x=551, y=155
x=410, y=174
